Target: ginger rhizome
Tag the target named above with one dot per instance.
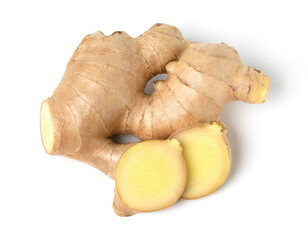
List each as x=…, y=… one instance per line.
x=103, y=83
x=208, y=158
x=151, y=175
x=102, y=93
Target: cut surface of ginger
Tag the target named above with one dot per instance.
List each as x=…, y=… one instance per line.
x=258, y=91
x=47, y=128
x=151, y=175
x=207, y=158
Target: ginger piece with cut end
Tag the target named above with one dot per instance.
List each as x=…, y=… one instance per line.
x=208, y=158
x=102, y=92
x=151, y=175
x=103, y=82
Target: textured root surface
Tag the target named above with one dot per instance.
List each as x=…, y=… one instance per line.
x=207, y=157
x=102, y=85
x=151, y=175
x=101, y=94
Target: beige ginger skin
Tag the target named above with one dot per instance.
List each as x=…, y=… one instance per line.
x=102, y=93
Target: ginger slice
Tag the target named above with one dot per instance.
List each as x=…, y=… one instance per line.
x=207, y=156
x=151, y=175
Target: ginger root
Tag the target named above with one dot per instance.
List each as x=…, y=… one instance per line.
x=207, y=155
x=103, y=83
x=151, y=175
x=102, y=93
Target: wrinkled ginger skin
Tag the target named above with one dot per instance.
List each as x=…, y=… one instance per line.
x=204, y=80
x=102, y=93
x=103, y=82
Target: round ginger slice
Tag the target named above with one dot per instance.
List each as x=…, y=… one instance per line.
x=151, y=175
x=207, y=156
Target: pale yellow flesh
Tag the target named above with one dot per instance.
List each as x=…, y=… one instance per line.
x=258, y=92
x=47, y=128
x=207, y=159
x=151, y=175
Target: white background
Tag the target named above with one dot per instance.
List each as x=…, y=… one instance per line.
x=49, y=197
